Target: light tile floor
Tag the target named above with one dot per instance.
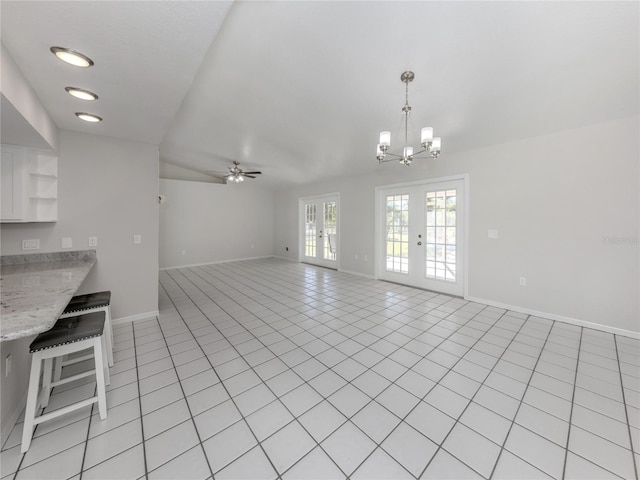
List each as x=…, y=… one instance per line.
x=271, y=369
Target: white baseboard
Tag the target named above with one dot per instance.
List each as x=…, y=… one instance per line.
x=215, y=263
x=135, y=318
x=285, y=258
x=559, y=318
x=10, y=422
x=359, y=274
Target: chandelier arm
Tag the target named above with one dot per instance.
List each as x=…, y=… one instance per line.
x=384, y=160
x=395, y=155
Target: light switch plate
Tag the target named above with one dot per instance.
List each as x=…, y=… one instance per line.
x=93, y=241
x=137, y=239
x=493, y=233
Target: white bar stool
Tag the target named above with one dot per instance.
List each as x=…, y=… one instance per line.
x=68, y=335
x=87, y=303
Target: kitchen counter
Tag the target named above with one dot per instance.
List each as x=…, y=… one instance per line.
x=35, y=289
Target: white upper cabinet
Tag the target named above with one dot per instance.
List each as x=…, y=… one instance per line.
x=29, y=182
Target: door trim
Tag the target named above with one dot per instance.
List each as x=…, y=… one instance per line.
x=427, y=181
x=318, y=198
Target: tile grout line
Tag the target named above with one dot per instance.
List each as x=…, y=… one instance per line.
x=277, y=312
x=432, y=348
x=513, y=422
x=184, y=397
x=86, y=440
x=626, y=412
x=305, y=382
x=226, y=390
x=421, y=399
x=573, y=397
x=295, y=418
x=378, y=444
x=135, y=356
x=457, y=420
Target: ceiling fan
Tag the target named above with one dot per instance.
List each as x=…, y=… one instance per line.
x=236, y=174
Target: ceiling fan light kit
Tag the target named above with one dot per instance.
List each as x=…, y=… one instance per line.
x=430, y=144
x=236, y=174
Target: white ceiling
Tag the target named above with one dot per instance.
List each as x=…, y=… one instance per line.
x=300, y=90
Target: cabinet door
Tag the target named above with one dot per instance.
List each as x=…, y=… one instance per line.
x=12, y=184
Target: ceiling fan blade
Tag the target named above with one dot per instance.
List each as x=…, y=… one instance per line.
x=252, y=173
x=248, y=176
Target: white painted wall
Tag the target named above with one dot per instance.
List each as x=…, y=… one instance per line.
x=214, y=222
x=555, y=200
x=23, y=98
x=106, y=188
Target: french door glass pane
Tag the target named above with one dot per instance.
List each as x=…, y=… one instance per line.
x=440, y=234
x=330, y=230
x=397, y=225
x=310, y=230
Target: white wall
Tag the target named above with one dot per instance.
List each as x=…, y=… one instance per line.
x=106, y=188
x=214, y=222
x=17, y=90
x=555, y=200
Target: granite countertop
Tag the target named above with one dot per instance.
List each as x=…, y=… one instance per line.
x=35, y=289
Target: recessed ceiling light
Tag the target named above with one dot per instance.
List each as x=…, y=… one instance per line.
x=69, y=56
x=81, y=94
x=88, y=117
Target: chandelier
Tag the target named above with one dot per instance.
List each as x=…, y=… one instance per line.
x=430, y=145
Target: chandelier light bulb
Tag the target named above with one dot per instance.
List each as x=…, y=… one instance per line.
x=385, y=139
x=408, y=152
x=426, y=135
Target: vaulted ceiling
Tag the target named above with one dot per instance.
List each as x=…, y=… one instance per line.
x=300, y=90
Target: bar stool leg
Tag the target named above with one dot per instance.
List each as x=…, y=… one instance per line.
x=105, y=360
x=108, y=334
x=57, y=368
x=32, y=400
x=46, y=381
x=100, y=376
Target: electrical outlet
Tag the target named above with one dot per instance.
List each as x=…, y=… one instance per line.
x=137, y=239
x=523, y=281
x=493, y=234
x=93, y=241
x=33, y=244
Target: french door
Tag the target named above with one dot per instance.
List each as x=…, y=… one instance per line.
x=421, y=239
x=318, y=242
